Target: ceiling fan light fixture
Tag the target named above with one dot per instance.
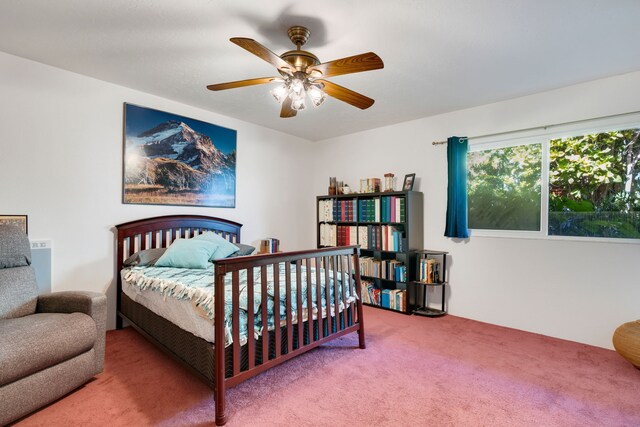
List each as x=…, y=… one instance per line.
x=297, y=87
x=316, y=95
x=280, y=92
x=297, y=103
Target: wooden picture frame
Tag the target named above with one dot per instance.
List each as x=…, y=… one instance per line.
x=409, y=179
x=20, y=221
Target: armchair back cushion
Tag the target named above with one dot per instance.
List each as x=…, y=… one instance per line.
x=18, y=288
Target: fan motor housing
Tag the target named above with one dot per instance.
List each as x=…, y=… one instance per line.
x=300, y=59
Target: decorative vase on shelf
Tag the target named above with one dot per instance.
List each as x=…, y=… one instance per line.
x=388, y=181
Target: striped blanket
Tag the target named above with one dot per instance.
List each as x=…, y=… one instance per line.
x=198, y=287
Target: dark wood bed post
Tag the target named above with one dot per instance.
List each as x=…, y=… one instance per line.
x=119, y=262
x=219, y=391
x=356, y=274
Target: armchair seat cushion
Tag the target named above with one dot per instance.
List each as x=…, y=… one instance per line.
x=31, y=343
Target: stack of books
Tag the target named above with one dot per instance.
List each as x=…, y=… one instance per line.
x=328, y=234
x=269, y=245
x=345, y=210
x=429, y=271
x=395, y=299
x=326, y=210
x=391, y=238
x=369, y=210
x=393, y=209
x=390, y=269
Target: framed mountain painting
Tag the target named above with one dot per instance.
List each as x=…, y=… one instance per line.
x=174, y=160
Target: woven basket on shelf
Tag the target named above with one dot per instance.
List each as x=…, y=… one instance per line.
x=626, y=341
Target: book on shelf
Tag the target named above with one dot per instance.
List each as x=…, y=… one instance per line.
x=429, y=270
x=393, y=208
x=347, y=211
x=328, y=234
x=269, y=245
x=389, y=269
x=363, y=237
x=325, y=210
x=395, y=299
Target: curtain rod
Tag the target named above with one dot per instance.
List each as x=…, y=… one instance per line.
x=541, y=127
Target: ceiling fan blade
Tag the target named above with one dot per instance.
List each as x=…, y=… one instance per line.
x=241, y=83
x=352, y=64
x=287, y=111
x=346, y=95
x=264, y=53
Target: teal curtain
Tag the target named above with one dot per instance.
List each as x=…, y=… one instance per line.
x=457, y=188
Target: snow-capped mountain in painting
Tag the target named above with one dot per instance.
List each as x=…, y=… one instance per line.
x=173, y=161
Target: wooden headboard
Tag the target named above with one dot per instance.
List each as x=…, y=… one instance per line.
x=160, y=231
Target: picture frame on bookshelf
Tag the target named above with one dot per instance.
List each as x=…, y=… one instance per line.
x=408, y=182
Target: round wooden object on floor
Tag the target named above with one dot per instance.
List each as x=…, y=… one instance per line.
x=626, y=341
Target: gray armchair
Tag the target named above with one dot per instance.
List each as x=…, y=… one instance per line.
x=49, y=344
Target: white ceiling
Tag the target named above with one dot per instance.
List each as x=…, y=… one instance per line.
x=439, y=55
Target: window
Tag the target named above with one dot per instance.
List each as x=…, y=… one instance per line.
x=594, y=185
x=593, y=181
x=504, y=188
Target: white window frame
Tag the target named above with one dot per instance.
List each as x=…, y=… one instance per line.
x=543, y=136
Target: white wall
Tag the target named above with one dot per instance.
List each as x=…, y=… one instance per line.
x=61, y=164
x=579, y=291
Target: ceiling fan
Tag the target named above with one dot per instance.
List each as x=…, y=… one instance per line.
x=303, y=75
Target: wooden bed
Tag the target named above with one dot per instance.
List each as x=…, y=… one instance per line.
x=219, y=366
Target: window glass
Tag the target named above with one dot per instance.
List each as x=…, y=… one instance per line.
x=504, y=188
x=594, y=185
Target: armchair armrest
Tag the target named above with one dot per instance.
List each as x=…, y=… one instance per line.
x=90, y=303
x=71, y=302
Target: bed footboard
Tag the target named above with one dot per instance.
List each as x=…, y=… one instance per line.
x=322, y=269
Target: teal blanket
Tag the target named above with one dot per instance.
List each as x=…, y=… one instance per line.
x=198, y=287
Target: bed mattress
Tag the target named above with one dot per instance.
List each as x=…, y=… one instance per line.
x=185, y=297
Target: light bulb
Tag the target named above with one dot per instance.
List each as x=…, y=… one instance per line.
x=298, y=103
x=297, y=86
x=316, y=95
x=279, y=93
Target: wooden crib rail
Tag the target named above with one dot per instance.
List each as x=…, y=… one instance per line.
x=339, y=264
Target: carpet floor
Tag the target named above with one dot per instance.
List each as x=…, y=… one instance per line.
x=447, y=371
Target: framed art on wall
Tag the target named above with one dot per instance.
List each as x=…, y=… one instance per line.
x=174, y=160
x=20, y=221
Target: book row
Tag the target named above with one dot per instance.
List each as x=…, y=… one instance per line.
x=337, y=210
x=392, y=209
x=429, y=270
x=395, y=299
x=384, y=209
x=371, y=237
x=390, y=269
x=269, y=245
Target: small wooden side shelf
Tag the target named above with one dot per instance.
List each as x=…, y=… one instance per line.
x=431, y=271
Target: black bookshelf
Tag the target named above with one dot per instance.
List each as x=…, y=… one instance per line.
x=430, y=283
x=410, y=236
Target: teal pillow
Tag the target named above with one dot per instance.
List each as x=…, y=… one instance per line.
x=225, y=247
x=188, y=253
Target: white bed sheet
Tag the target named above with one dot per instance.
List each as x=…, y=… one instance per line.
x=182, y=313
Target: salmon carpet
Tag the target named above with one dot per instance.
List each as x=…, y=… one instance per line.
x=447, y=371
